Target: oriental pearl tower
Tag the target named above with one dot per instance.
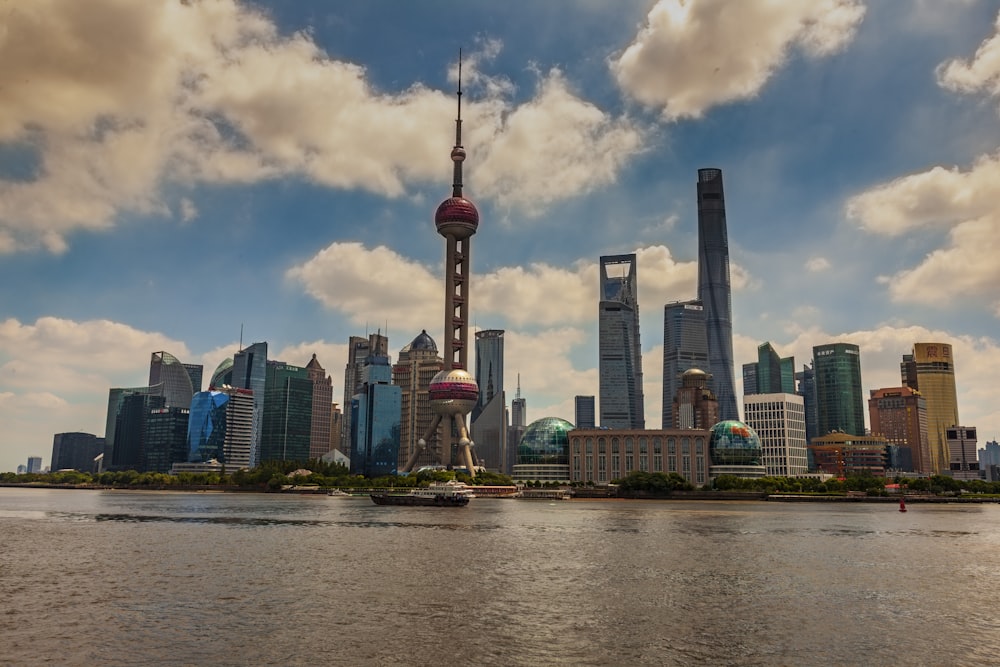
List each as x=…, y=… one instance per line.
x=453, y=392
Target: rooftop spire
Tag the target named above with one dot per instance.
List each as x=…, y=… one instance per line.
x=458, y=153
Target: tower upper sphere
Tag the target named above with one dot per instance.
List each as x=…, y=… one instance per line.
x=456, y=216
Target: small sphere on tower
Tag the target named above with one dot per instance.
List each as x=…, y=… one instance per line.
x=453, y=392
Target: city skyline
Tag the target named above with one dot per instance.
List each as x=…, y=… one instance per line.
x=141, y=211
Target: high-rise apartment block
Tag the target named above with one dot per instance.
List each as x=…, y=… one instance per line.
x=250, y=372
x=34, y=464
x=489, y=416
x=839, y=399
x=780, y=422
x=930, y=369
x=770, y=374
x=358, y=351
x=375, y=411
x=685, y=346
x=415, y=368
x=620, y=367
x=714, y=289
x=899, y=414
x=585, y=412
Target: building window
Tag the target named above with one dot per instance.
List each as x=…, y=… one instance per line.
x=614, y=445
x=657, y=463
x=602, y=445
x=628, y=445
x=671, y=446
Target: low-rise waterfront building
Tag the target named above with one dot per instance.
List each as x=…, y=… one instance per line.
x=843, y=454
x=599, y=456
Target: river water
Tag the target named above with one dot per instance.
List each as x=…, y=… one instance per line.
x=150, y=578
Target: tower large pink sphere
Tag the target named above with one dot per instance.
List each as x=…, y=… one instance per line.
x=453, y=392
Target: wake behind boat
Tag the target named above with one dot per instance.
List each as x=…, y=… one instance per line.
x=446, y=494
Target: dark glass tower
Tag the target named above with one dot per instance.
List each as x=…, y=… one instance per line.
x=288, y=404
x=839, y=399
x=620, y=367
x=489, y=416
x=684, y=347
x=714, y=290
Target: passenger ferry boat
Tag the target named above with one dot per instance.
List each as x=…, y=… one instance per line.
x=439, y=494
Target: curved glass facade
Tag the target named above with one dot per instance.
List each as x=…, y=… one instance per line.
x=545, y=441
x=207, y=426
x=167, y=369
x=223, y=374
x=733, y=443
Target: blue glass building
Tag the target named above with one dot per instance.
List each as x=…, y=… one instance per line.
x=207, y=426
x=375, y=421
x=685, y=347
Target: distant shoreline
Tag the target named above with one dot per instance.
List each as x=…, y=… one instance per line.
x=684, y=495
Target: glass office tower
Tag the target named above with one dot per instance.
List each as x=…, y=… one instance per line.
x=839, y=399
x=620, y=367
x=685, y=346
x=714, y=289
x=250, y=372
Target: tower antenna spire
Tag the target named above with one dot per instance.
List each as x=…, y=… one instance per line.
x=458, y=152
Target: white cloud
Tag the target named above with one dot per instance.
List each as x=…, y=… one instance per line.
x=695, y=54
x=118, y=99
x=817, y=264
x=979, y=74
x=538, y=295
x=966, y=203
x=551, y=147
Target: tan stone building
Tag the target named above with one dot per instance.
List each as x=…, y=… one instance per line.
x=413, y=371
x=602, y=455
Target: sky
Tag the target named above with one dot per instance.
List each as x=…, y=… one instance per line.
x=175, y=172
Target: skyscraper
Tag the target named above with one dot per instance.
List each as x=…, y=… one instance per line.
x=489, y=416
x=35, y=464
x=685, y=346
x=694, y=404
x=358, y=351
x=287, y=424
x=375, y=421
x=839, y=399
x=176, y=378
x=453, y=391
x=899, y=414
x=963, y=462
x=415, y=368
x=805, y=381
x=518, y=425
x=620, y=367
x=250, y=372
x=586, y=416
x=714, y=289
x=930, y=369
x=220, y=427
x=770, y=374
x=166, y=438
x=322, y=407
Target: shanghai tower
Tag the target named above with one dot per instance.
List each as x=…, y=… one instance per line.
x=714, y=289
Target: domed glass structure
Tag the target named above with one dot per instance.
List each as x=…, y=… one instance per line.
x=545, y=442
x=733, y=443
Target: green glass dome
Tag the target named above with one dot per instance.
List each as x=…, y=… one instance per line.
x=545, y=441
x=733, y=443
